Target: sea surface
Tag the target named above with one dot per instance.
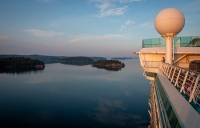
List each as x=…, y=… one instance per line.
x=68, y=96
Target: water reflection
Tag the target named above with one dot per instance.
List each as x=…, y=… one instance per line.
x=20, y=70
x=75, y=96
x=114, y=113
x=108, y=68
x=77, y=63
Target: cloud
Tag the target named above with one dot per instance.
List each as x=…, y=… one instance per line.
x=110, y=44
x=89, y=38
x=107, y=9
x=128, y=23
x=43, y=33
x=112, y=7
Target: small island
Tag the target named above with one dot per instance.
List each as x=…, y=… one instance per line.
x=111, y=65
x=20, y=63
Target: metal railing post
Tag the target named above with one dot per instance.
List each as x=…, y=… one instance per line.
x=173, y=74
x=177, y=78
x=182, y=87
x=170, y=72
x=194, y=89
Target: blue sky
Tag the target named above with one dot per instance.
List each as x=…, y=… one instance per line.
x=111, y=28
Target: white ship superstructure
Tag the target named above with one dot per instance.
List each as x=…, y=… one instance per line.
x=175, y=89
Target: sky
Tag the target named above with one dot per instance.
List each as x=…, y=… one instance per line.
x=108, y=28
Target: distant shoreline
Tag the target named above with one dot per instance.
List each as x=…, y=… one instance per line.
x=51, y=59
x=122, y=58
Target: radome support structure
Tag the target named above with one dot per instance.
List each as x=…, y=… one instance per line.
x=169, y=22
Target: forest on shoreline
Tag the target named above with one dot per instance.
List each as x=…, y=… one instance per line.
x=21, y=62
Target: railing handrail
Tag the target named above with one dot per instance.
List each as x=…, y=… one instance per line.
x=186, y=81
x=188, y=41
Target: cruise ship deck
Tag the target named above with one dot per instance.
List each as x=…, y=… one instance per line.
x=175, y=88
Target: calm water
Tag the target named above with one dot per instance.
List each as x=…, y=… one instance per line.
x=66, y=96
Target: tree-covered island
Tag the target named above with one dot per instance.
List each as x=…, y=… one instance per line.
x=20, y=62
x=113, y=65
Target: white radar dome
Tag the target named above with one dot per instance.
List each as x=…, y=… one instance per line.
x=169, y=21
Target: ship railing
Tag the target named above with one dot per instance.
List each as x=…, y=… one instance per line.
x=188, y=41
x=186, y=81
